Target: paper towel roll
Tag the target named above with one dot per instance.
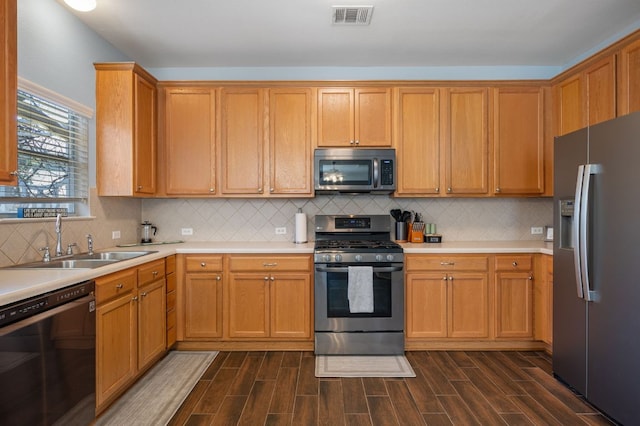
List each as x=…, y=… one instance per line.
x=301, y=227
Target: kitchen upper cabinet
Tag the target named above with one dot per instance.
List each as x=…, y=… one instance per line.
x=587, y=97
x=629, y=79
x=190, y=141
x=466, y=141
x=417, y=141
x=202, y=297
x=518, y=140
x=514, y=296
x=354, y=117
x=290, y=142
x=8, y=92
x=270, y=297
x=125, y=130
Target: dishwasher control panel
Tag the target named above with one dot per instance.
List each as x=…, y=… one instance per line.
x=35, y=305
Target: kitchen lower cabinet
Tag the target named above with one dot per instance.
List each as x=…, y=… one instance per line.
x=543, y=301
x=170, y=270
x=514, y=296
x=131, y=327
x=202, y=291
x=447, y=297
x=270, y=297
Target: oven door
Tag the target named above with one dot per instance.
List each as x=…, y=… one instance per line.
x=332, y=304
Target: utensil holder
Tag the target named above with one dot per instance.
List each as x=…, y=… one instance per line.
x=401, y=231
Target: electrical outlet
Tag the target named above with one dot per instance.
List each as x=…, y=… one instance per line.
x=536, y=230
x=281, y=231
x=115, y=235
x=187, y=231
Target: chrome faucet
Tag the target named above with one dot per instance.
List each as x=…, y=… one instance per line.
x=59, y=235
x=90, y=244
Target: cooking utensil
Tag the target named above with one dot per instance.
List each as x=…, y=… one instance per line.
x=396, y=214
x=406, y=216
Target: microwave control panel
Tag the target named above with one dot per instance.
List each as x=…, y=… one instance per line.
x=386, y=175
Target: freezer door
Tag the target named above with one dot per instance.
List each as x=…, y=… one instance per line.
x=614, y=317
x=569, y=311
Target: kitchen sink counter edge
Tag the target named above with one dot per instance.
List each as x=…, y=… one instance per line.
x=20, y=284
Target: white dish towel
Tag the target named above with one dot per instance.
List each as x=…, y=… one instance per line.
x=360, y=289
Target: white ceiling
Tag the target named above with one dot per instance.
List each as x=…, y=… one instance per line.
x=403, y=33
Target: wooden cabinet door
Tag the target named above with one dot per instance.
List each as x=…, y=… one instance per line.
x=518, y=140
x=570, y=105
x=290, y=306
x=600, y=84
x=145, y=142
x=203, y=305
x=336, y=108
x=290, y=144
x=372, y=116
x=468, y=305
x=426, y=307
x=248, y=305
x=152, y=316
x=629, y=79
x=242, y=128
x=190, y=141
x=115, y=346
x=514, y=305
x=465, y=132
x=8, y=92
x=417, y=130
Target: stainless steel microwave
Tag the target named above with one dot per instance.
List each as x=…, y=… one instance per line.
x=354, y=170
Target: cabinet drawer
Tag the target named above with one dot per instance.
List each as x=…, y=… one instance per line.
x=170, y=265
x=447, y=263
x=270, y=263
x=203, y=263
x=115, y=284
x=171, y=301
x=150, y=272
x=514, y=263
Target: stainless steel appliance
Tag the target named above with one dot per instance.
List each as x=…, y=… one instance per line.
x=344, y=242
x=47, y=358
x=355, y=170
x=596, y=291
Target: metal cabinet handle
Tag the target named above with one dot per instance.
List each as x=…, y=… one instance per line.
x=203, y=264
x=212, y=190
x=357, y=142
x=119, y=286
x=144, y=294
x=437, y=190
x=267, y=265
x=450, y=278
x=351, y=142
x=515, y=264
x=13, y=173
x=218, y=278
x=272, y=279
x=154, y=273
x=447, y=263
x=530, y=277
x=498, y=189
x=266, y=278
x=139, y=187
x=260, y=190
x=134, y=298
x=449, y=189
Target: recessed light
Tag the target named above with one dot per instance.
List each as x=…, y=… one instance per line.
x=82, y=5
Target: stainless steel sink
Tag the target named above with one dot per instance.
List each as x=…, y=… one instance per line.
x=112, y=255
x=84, y=260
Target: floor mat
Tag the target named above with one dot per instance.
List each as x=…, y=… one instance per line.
x=155, y=398
x=363, y=366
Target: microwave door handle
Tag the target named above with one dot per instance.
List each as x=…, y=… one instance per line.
x=376, y=172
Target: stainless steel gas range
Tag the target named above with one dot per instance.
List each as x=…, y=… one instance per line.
x=359, y=286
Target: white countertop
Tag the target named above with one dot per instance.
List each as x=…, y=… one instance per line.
x=18, y=284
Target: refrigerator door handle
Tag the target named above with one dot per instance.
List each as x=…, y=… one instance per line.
x=589, y=170
x=576, y=232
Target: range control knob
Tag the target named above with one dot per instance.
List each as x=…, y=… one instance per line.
x=378, y=258
x=389, y=257
x=358, y=258
x=338, y=258
x=326, y=257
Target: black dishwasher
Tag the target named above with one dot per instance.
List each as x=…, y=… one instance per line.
x=47, y=358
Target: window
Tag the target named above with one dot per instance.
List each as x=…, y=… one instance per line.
x=52, y=156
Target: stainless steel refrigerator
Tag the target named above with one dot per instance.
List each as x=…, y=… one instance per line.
x=596, y=261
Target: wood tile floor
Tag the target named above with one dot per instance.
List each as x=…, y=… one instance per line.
x=460, y=388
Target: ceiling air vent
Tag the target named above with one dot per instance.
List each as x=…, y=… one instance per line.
x=352, y=15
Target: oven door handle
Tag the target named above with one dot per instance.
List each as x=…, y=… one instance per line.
x=346, y=269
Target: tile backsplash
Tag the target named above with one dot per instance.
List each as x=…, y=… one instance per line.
x=460, y=219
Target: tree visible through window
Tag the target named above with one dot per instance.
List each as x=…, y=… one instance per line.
x=52, y=157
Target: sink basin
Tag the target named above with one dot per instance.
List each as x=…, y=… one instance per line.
x=84, y=260
x=112, y=255
x=66, y=264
